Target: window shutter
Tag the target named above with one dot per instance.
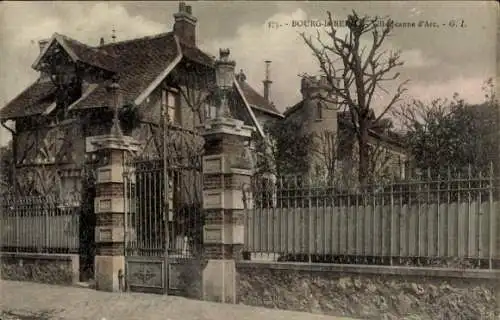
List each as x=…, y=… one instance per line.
x=319, y=110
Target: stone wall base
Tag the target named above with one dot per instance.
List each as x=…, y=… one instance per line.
x=109, y=271
x=45, y=268
x=371, y=292
x=219, y=281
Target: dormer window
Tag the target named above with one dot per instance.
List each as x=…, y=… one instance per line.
x=170, y=100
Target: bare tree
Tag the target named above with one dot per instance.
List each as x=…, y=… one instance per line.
x=355, y=73
x=418, y=114
x=324, y=149
x=380, y=165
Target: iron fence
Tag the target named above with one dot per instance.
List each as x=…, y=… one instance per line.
x=450, y=220
x=41, y=224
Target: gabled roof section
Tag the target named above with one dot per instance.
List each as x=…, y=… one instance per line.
x=91, y=55
x=257, y=101
x=249, y=109
x=91, y=88
x=153, y=85
x=142, y=64
x=196, y=55
x=258, y=127
x=293, y=108
x=79, y=52
x=34, y=100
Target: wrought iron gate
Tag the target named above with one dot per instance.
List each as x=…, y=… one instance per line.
x=163, y=222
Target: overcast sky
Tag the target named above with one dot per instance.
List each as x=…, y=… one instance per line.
x=438, y=61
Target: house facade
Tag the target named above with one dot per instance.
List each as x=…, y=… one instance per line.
x=148, y=80
x=143, y=81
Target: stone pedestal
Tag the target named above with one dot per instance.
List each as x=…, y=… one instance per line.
x=110, y=209
x=227, y=169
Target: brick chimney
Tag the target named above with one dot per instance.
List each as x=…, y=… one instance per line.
x=267, y=82
x=43, y=43
x=185, y=24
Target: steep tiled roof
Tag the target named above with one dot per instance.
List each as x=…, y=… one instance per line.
x=293, y=108
x=239, y=113
x=196, y=55
x=256, y=100
x=33, y=100
x=137, y=62
x=90, y=55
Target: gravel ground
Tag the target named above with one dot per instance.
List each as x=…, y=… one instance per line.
x=30, y=301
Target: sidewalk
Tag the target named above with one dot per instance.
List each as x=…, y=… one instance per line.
x=68, y=303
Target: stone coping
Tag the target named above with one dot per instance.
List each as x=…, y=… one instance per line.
x=373, y=270
x=39, y=256
x=109, y=141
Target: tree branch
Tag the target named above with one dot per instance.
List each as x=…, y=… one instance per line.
x=399, y=92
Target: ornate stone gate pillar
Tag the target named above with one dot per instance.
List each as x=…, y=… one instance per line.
x=226, y=170
x=110, y=208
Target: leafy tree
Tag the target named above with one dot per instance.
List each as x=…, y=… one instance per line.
x=451, y=134
x=288, y=147
x=355, y=73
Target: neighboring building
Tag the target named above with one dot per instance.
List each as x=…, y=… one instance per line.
x=80, y=85
x=264, y=110
x=333, y=152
